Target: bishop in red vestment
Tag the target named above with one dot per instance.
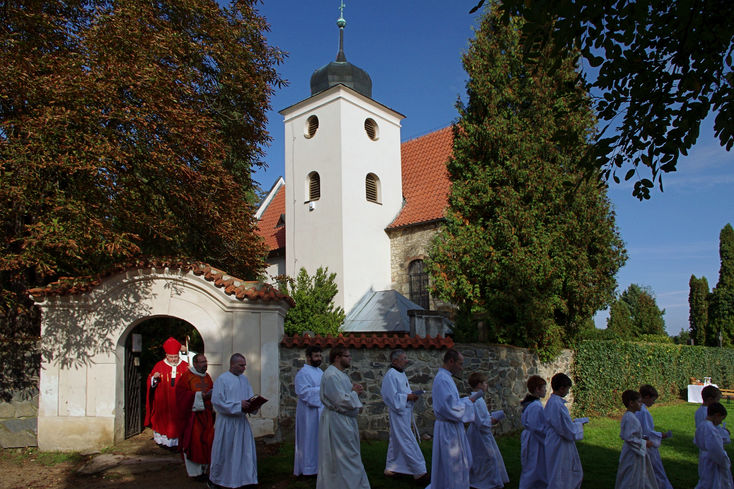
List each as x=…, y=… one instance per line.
x=194, y=393
x=161, y=412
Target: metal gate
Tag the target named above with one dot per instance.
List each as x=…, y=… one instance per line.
x=133, y=388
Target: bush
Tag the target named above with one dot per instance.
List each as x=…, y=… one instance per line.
x=604, y=369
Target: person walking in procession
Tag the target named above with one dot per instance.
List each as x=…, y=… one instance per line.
x=194, y=393
x=562, y=462
x=234, y=461
x=404, y=455
x=451, y=456
x=162, y=413
x=340, y=457
x=308, y=410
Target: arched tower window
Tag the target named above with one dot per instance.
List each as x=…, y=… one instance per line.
x=372, y=188
x=418, y=283
x=313, y=186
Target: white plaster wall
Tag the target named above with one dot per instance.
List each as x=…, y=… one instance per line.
x=89, y=332
x=313, y=237
x=344, y=231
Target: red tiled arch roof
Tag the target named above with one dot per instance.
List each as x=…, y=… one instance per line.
x=241, y=289
x=369, y=340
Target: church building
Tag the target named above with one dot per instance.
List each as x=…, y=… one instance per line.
x=357, y=200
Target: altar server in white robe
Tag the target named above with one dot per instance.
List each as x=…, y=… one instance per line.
x=487, y=468
x=714, y=465
x=308, y=410
x=340, y=457
x=532, y=440
x=562, y=462
x=635, y=470
x=234, y=461
x=451, y=456
x=649, y=395
x=404, y=455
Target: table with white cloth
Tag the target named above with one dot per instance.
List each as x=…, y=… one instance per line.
x=694, y=392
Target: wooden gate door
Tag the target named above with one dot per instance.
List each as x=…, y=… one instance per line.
x=133, y=391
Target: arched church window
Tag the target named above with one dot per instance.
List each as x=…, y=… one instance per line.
x=312, y=124
x=372, y=188
x=371, y=128
x=418, y=283
x=313, y=186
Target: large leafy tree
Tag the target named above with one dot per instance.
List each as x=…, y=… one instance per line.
x=698, y=305
x=521, y=249
x=721, y=305
x=127, y=128
x=659, y=67
x=314, y=311
x=646, y=316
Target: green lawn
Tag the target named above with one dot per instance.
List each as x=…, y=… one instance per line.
x=599, y=453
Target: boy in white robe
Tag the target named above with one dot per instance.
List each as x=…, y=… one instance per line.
x=308, y=390
x=532, y=440
x=404, y=455
x=234, y=461
x=714, y=466
x=562, y=462
x=487, y=468
x=649, y=395
x=340, y=457
x=451, y=456
x=635, y=470
x=711, y=394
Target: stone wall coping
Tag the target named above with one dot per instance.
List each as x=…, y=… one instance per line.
x=369, y=340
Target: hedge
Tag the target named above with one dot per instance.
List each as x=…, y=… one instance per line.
x=602, y=370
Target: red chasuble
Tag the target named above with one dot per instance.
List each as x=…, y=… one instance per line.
x=198, y=427
x=161, y=412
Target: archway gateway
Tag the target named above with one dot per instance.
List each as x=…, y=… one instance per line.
x=85, y=328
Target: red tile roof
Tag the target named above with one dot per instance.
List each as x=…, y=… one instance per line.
x=425, y=178
x=369, y=340
x=267, y=226
x=241, y=289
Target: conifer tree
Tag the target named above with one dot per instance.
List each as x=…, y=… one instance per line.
x=698, y=309
x=721, y=306
x=522, y=248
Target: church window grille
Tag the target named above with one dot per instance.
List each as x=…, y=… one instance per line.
x=419, y=283
x=372, y=130
x=312, y=124
x=313, y=186
x=372, y=188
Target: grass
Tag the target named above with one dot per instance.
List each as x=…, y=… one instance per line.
x=599, y=452
x=22, y=455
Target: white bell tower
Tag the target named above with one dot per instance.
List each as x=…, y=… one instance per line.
x=344, y=182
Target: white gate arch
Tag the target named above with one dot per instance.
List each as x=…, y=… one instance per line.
x=84, y=329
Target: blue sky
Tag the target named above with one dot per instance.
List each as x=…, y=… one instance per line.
x=412, y=51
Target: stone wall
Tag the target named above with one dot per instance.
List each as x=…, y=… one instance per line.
x=18, y=420
x=408, y=244
x=507, y=368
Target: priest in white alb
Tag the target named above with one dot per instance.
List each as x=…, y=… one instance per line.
x=404, y=455
x=308, y=410
x=340, y=457
x=451, y=459
x=234, y=461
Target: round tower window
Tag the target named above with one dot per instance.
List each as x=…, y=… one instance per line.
x=370, y=127
x=312, y=124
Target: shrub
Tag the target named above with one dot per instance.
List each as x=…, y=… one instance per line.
x=604, y=369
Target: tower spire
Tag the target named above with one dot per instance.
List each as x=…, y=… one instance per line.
x=341, y=22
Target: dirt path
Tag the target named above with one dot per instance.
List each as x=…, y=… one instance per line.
x=140, y=464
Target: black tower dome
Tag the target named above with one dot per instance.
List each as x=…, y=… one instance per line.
x=341, y=71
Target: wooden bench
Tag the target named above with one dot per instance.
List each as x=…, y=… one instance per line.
x=728, y=394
